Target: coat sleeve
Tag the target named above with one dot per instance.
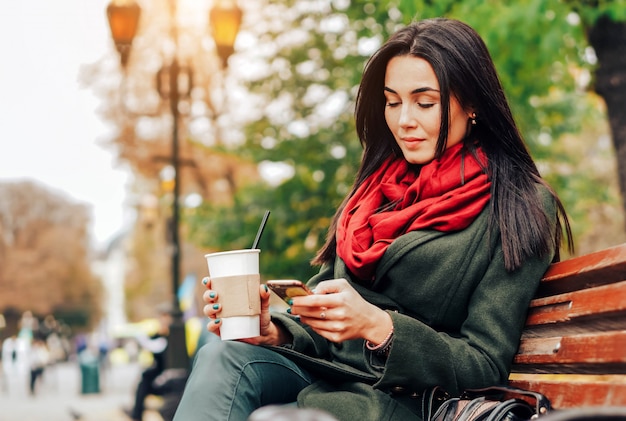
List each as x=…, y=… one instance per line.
x=481, y=351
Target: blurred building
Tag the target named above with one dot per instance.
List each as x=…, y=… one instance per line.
x=111, y=266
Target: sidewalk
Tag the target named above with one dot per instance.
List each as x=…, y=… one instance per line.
x=59, y=396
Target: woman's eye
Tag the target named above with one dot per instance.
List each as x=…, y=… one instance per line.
x=392, y=104
x=425, y=105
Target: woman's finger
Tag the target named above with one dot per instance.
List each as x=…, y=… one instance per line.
x=211, y=309
x=209, y=296
x=331, y=286
x=213, y=326
x=265, y=318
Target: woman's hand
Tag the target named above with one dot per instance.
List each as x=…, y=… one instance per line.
x=270, y=333
x=338, y=313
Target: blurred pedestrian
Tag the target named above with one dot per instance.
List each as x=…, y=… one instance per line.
x=157, y=345
x=28, y=326
x=9, y=353
x=39, y=358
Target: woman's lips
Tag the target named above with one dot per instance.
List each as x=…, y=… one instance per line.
x=412, y=141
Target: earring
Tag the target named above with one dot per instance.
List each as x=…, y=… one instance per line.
x=473, y=119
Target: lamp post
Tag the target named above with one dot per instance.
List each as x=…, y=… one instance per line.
x=224, y=19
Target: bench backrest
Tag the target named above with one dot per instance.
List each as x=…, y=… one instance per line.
x=573, y=349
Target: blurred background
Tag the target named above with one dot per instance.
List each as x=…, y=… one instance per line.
x=139, y=136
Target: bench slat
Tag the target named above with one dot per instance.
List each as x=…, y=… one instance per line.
x=599, y=353
x=598, y=268
x=575, y=391
x=590, y=310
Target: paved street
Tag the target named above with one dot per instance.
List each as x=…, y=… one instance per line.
x=59, y=395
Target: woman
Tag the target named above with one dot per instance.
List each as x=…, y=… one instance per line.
x=430, y=262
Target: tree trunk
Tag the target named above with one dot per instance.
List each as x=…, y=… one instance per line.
x=608, y=38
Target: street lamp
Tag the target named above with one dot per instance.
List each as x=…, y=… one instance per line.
x=123, y=21
x=225, y=20
x=174, y=83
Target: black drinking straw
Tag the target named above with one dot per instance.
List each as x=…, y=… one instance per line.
x=260, y=231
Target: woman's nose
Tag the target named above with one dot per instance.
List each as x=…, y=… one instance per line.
x=407, y=117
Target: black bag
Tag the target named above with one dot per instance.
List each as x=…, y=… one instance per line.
x=496, y=403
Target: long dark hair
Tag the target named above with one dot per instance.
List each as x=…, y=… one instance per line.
x=464, y=68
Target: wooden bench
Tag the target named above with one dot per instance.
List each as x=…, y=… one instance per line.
x=573, y=348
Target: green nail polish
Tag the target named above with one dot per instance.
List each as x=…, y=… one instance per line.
x=289, y=310
x=290, y=301
x=216, y=306
x=212, y=295
x=205, y=281
x=265, y=287
x=217, y=321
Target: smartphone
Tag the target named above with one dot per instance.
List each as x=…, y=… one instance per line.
x=287, y=289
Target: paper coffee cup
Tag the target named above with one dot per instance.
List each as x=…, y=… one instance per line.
x=235, y=277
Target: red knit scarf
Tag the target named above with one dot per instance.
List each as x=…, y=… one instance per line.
x=438, y=198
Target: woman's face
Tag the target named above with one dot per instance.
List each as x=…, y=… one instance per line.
x=413, y=109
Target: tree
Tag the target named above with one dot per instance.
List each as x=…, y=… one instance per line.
x=607, y=36
x=44, y=256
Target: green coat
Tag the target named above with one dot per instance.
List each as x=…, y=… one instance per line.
x=457, y=316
